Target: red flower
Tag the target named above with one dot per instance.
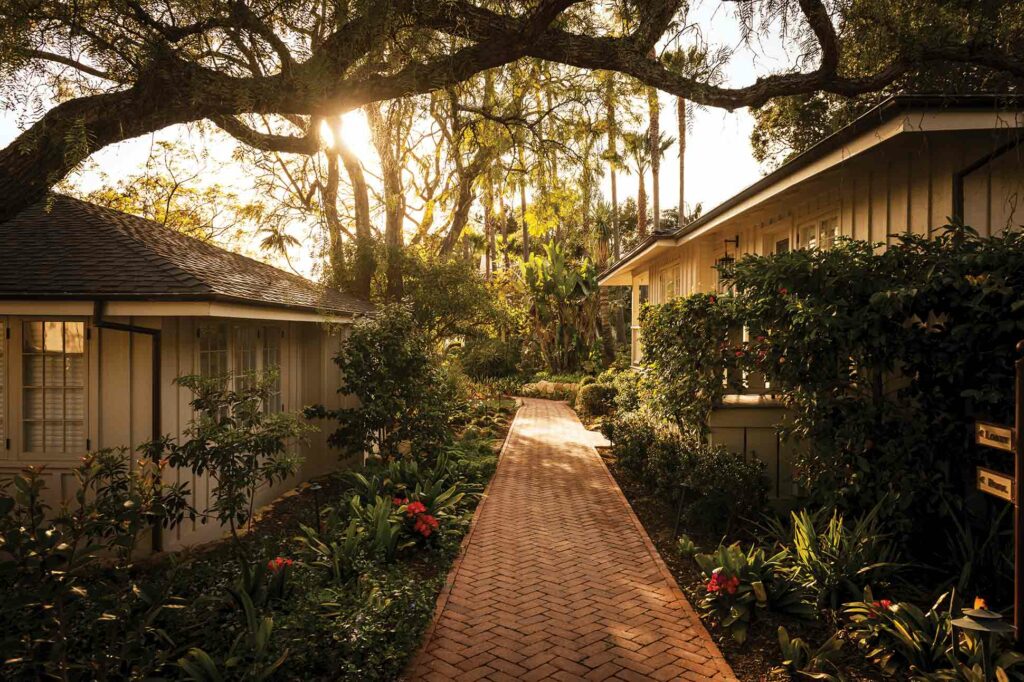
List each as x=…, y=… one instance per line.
x=739, y=354
x=719, y=583
x=399, y=501
x=415, y=508
x=783, y=290
x=712, y=299
x=277, y=564
x=425, y=525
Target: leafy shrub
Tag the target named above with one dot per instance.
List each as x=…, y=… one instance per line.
x=237, y=442
x=798, y=658
x=595, y=400
x=738, y=584
x=722, y=487
x=719, y=486
x=405, y=396
x=687, y=353
x=48, y=571
x=586, y=381
x=489, y=358
x=629, y=392
x=838, y=559
x=898, y=635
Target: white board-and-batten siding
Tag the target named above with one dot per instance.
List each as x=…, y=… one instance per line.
x=119, y=401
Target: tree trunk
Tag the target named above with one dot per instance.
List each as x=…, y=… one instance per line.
x=329, y=205
x=522, y=207
x=655, y=141
x=365, y=264
x=612, y=153
x=641, y=207
x=385, y=133
x=681, y=114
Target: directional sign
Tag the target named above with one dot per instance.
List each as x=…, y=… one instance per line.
x=998, y=437
x=995, y=483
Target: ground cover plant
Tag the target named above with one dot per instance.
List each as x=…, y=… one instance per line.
x=335, y=582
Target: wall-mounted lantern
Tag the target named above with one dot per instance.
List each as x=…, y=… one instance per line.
x=727, y=260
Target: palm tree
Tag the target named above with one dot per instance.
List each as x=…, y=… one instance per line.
x=638, y=149
x=276, y=240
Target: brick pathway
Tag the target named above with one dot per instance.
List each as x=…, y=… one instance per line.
x=558, y=579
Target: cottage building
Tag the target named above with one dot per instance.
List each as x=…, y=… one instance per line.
x=100, y=311
x=908, y=166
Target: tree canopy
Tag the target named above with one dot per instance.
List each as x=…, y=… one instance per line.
x=270, y=71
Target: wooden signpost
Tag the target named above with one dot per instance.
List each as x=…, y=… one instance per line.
x=1007, y=486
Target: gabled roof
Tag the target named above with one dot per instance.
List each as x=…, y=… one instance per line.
x=64, y=248
x=885, y=111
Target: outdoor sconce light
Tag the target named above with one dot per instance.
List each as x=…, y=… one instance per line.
x=728, y=260
x=987, y=624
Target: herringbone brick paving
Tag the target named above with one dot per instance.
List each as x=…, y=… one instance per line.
x=558, y=580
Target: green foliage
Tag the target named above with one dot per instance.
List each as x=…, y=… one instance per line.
x=250, y=657
x=686, y=548
x=595, y=400
x=563, y=310
x=237, y=442
x=836, y=559
x=686, y=350
x=405, y=397
x=798, y=658
x=381, y=522
x=719, y=487
x=448, y=297
x=739, y=584
x=489, y=358
x=900, y=636
x=886, y=359
x=48, y=562
x=630, y=393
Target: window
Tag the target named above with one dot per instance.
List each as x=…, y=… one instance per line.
x=243, y=357
x=53, y=379
x=819, y=234
x=272, y=361
x=667, y=284
x=235, y=353
x=213, y=350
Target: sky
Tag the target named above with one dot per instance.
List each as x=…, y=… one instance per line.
x=718, y=159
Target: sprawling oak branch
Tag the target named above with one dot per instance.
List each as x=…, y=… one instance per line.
x=230, y=58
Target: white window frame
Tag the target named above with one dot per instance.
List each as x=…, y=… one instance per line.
x=19, y=395
x=817, y=226
x=234, y=334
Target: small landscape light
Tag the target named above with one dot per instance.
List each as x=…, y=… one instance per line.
x=986, y=624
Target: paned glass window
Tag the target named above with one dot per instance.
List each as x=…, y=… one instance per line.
x=53, y=385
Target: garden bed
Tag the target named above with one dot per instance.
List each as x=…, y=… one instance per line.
x=360, y=620
x=759, y=658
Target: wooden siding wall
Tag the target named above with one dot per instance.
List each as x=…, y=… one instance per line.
x=119, y=405
x=902, y=186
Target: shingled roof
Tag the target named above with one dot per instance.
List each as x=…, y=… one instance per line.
x=70, y=249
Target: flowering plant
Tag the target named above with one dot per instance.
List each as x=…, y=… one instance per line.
x=739, y=584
